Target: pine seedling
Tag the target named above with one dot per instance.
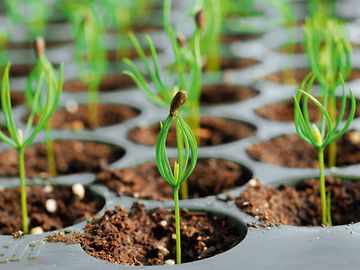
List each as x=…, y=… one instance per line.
x=90, y=55
x=184, y=166
x=322, y=8
x=43, y=75
x=20, y=140
x=321, y=136
x=329, y=55
x=32, y=13
x=185, y=58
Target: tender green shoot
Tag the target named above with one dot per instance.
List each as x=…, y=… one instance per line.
x=32, y=13
x=184, y=166
x=20, y=140
x=187, y=66
x=321, y=137
x=90, y=54
x=322, y=8
x=43, y=75
x=329, y=55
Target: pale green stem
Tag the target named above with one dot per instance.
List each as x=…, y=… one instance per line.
x=322, y=187
x=23, y=203
x=93, y=105
x=184, y=190
x=50, y=154
x=177, y=225
x=332, y=145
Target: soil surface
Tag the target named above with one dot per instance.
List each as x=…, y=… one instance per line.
x=20, y=70
x=291, y=151
x=237, y=63
x=284, y=111
x=238, y=37
x=71, y=156
x=70, y=208
x=111, y=82
x=299, y=48
x=301, y=206
x=213, y=131
x=297, y=75
x=78, y=118
x=225, y=93
x=17, y=99
x=210, y=177
x=147, y=238
x=29, y=45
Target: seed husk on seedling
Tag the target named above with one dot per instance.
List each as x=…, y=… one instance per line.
x=324, y=134
x=20, y=140
x=186, y=162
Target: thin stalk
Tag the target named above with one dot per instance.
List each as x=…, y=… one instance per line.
x=50, y=153
x=184, y=190
x=328, y=201
x=332, y=146
x=193, y=118
x=322, y=187
x=177, y=225
x=93, y=109
x=23, y=201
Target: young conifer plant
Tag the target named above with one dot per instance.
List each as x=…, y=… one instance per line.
x=90, y=54
x=21, y=140
x=43, y=74
x=186, y=162
x=321, y=136
x=329, y=54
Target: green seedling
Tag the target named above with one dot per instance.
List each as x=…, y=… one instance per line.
x=90, y=55
x=321, y=137
x=184, y=166
x=242, y=8
x=32, y=13
x=43, y=73
x=187, y=66
x=322, y=8
x=21, y=140
x=329, y=55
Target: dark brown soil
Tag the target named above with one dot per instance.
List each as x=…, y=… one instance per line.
x=111, y=82
x=71, y=156
x=109, y=114
x=20, y=70
x=17, y=99
x=225, y=93
x=114, y=55
x=29, y=45
x=70, y=208
x=213, y=131
x=297, y=75
x=284, y=111
x=301, y=206
x=291, y=151
x=210, y=177
x=237, y=63
x=299, y=48
x=238, y=37
x=147, y=238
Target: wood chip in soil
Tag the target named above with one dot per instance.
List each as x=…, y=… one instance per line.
x=70, y=208
x=111, y=82
x=284, y=111
x=301, y=205
x=213, y=94
x=77, y=118
x=71, y=156
x=147, y=238
x=210, y=177
x=297, y=75
x=213, y=131
x=291, y=151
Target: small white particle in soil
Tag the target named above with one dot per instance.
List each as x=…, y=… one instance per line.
x=72, y=106
x=48, y=189
x=163, y=223
x=245, y=203
x=173, y=236
x=36, y=230
x=136, y=195
x=51, y=205
x=253, y=182
x=170, y=262
x=79, y=190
